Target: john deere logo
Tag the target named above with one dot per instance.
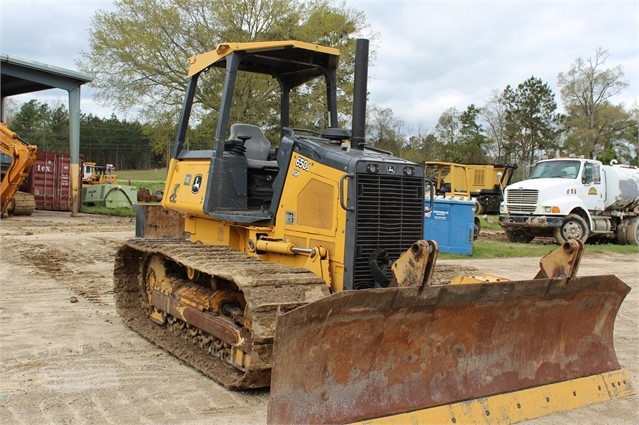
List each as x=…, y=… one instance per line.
x=197, y=183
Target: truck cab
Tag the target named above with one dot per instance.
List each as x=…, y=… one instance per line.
x=557, y=200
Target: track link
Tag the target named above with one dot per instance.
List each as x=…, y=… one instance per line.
x=265, y=287
x=23, y=203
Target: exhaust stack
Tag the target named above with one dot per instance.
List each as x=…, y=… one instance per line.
x=358, y=139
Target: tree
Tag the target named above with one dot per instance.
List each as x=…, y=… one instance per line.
x=138, y=53
x=630, y=151
x=494, y=116
x=422, y=147
x=122, y=143
x=10, y=109
x=592, y=122
x=473, y=139
x=59, y=129
x=460, y=137
x=384, y=130
x=31, y=122
x=532, y=125
x=448, y=134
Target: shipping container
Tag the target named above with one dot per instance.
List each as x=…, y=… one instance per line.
x=50, y=181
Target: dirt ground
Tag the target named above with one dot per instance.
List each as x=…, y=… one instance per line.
x=67, y=358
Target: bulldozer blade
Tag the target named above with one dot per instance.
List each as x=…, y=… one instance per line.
x=360, y=355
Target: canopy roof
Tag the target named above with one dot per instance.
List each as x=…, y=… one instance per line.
x=295, y=62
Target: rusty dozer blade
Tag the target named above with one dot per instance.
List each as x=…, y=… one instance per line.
x=359, y=355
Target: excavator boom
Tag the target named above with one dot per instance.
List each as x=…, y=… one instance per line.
x=22, y=157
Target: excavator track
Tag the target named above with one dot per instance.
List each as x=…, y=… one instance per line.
x=212, y=307
x=23, y=203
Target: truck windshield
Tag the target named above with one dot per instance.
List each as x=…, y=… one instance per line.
x=556, y=170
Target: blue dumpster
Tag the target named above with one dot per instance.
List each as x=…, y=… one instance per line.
x=451, y=224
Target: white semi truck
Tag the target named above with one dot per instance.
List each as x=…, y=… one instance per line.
x=572, y=198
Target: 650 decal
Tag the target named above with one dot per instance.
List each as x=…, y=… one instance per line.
x=302, y=163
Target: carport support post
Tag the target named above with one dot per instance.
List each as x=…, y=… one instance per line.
x=74, y=146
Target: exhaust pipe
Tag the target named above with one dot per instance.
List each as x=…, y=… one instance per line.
x=358, y=136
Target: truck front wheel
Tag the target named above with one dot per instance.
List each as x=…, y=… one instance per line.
x=573, y=227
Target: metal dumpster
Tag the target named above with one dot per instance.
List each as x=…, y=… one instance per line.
x=451, y=223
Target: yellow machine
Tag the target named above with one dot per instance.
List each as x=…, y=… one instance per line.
x=303, y=268
x=483, y=182
x=18, y=157
x=96, y=174
x=100, y=187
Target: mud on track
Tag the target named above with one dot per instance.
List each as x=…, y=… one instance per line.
x=68, y=362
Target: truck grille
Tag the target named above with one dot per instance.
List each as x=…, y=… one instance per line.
x=521, y=200
x=390, y=216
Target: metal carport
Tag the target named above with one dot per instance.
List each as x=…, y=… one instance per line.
x=20, y=76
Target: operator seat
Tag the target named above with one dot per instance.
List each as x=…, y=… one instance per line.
x=261, y=172
x=257, y=145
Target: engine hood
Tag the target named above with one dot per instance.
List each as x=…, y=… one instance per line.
x=543, y=184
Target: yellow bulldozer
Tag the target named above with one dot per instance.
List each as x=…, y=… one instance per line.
x=303, y=268
x=97, y=174
x=17, y=159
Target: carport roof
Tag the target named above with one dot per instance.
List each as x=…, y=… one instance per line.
x=19, y=76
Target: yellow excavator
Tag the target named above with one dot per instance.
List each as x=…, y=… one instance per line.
x=18, y=157
x=303, y=268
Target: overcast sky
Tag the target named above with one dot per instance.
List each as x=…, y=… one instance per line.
x=430, y=55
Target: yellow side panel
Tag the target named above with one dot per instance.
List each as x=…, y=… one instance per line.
x=315, y=208
x=309, y=214
x=210, y=231
x=186, y=186
x=310, y=200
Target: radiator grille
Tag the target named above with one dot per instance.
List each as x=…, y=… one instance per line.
x=521, y=200
x=390, y=216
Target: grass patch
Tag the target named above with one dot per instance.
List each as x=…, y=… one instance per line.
x=608, y=247
x=152, y=186
x=490, y=222
x=498, y=249
x=151, y=179
x=153, y=175
x=119, y=212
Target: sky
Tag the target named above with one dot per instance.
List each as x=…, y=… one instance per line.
x=429, y=55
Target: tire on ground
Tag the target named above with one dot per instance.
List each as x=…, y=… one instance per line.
x=632, y=232
x=573, y=227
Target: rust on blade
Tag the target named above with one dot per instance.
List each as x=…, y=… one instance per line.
x=358, y=355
